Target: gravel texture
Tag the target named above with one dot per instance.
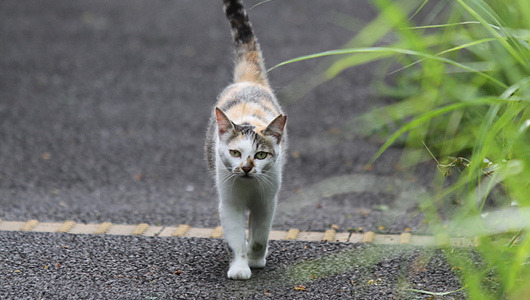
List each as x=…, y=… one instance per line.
x=60, y=266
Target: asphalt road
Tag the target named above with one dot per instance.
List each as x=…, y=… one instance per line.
x=103, y=109
x=65, y=266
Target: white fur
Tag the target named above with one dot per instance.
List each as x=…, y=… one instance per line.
x=238, y=194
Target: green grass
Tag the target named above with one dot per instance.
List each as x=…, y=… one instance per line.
x=461, y=84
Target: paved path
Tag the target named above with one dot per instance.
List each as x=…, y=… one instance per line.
x=103, y=108
x=69, y=266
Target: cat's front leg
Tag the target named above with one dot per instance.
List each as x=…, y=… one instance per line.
x=260, y=225
x=233, y=223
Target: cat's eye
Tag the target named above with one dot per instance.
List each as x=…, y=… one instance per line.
x=235, y=153
x=261, y=155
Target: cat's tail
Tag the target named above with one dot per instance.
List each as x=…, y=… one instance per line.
x=249, y=61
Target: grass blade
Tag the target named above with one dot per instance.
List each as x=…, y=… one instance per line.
x=435, y=113
x=392, y=50
x=437, y=293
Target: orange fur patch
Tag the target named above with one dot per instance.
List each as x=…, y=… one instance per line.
x=245, y=111
x=229, y=93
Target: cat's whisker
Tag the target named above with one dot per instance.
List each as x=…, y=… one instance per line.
x=262, y=187
x=224, y=179
x=267, y=178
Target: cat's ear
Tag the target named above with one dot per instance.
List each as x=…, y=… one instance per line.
x=276, y=127
x=223, y=123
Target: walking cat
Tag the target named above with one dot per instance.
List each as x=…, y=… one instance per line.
x=245, y=145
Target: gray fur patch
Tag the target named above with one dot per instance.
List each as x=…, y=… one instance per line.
x=251, y=94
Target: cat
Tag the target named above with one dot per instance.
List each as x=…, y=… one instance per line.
x=245, y=149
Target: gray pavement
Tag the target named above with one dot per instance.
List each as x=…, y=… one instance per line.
x=103, y=109
x=64, y=266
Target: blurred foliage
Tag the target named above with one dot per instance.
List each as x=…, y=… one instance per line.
x=459, y=72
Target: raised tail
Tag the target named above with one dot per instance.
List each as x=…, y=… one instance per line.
x=249, y=61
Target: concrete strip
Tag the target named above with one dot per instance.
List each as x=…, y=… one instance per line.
x=46, y=227
x=29, y=225
x=386, y=239
x=11, y=226
x=66, y=226
x=368, y=237
x=181, y=230
x=217, y=233
x=292, y=234
x=342, y=237
x=405, y=238
x=167, y=231
x=442, y=240
x=424, y=240
x=103, y=228
x=356, y=238
x=153, y=231
x=140, y=229
x=310, y=236
x=199, y=232
x=84, y=228
x=116, y=229
x=276, y=235
x=187, y=231
x=329, y=235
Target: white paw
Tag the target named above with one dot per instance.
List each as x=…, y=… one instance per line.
x=257, y=262
x=239, y=270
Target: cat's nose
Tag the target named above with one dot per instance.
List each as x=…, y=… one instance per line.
x=246, y=169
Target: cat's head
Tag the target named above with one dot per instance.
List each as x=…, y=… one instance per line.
x=247, y=150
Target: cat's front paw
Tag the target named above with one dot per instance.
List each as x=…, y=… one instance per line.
x=239, y=270
x=257, y=262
